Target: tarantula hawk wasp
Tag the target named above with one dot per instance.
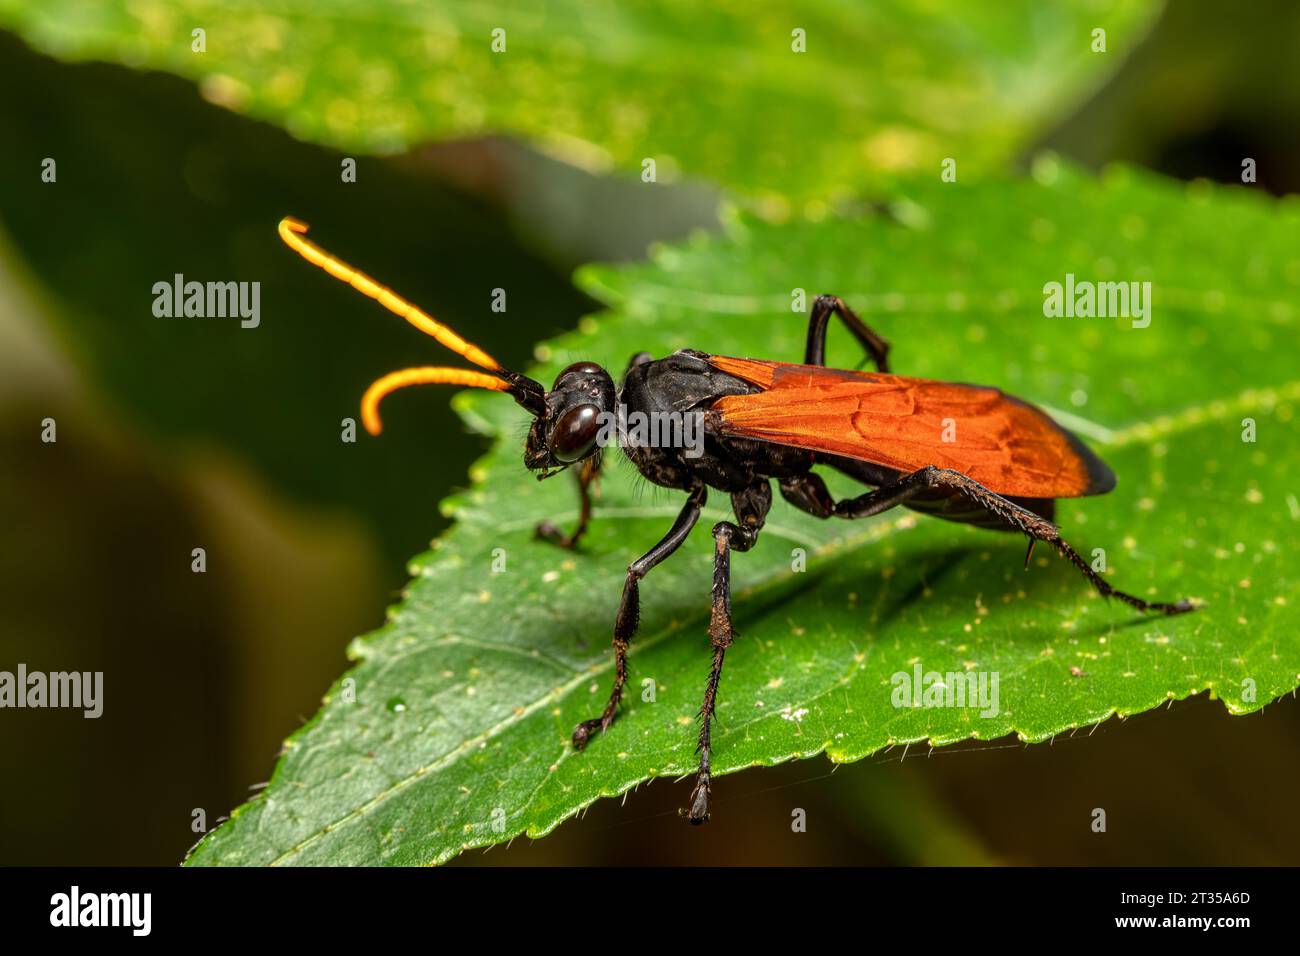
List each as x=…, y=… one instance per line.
x=766, y=421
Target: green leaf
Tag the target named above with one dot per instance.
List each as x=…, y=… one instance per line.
x=458, y=735
x=714, y=93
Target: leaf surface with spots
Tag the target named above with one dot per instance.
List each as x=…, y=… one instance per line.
x=709, y=92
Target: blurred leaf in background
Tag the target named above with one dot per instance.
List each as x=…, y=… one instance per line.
x=800, y=102
x=95, y=575
x=153, y=182
x=1213, y=86
x=458, y=733
x=185, y=432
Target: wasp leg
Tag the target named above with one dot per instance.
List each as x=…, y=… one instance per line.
x=809, y=493
x=815, y=352
x=750, y=506
x=1035, y=527
x=586, y=474
x=629, y=610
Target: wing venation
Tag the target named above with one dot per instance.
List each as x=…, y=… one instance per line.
x=1005, y=444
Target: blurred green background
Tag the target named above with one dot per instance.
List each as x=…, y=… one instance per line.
x=176, y=435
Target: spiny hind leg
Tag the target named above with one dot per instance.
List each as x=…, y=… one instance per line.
x=751, y=507
x=809, y=493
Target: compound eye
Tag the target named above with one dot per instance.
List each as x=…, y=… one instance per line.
x=575, y=433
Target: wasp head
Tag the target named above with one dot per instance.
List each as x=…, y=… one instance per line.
x=577, y=408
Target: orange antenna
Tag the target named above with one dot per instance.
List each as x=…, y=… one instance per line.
x=292, y=232
x=426, y=375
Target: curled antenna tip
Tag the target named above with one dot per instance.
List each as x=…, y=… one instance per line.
x=426, y=375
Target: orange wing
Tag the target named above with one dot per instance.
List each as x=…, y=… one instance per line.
x=1005, y=444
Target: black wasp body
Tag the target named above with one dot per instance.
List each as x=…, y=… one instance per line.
x=690, y=382
x=960, y=452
